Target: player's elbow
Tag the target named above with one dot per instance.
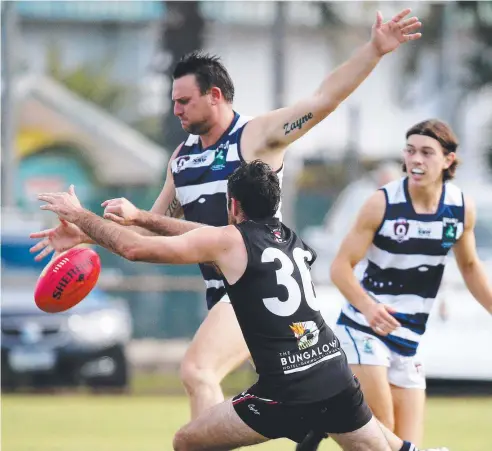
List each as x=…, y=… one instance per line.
x=128, y=253
x=326, y=103
x=334, y=271
x=133, y=252
x=183, y=441
x=468, y=267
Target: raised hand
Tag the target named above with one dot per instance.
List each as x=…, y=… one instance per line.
x=121, y=211
x=66, y=204
x=387, y=36
x=58, y=239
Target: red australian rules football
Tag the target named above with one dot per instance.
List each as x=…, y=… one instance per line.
x=67, y=280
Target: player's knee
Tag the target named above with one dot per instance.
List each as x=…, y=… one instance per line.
x=181, y=442
x=194, y=376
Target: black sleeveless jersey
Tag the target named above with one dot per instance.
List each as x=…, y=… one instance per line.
x=297, y=356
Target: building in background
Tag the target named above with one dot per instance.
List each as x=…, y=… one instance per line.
x=64, y=139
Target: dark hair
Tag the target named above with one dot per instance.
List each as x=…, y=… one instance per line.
x=208, y=71
x=443, y=134
x=257, y=188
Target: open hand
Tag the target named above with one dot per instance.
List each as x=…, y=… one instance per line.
x=58, y=239
x=387, y=36
x=66, y=204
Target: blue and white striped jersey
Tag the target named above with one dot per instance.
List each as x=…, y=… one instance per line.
x=200, y=176
x=405, y=263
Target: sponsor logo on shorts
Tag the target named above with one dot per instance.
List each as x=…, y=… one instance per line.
x=419, y=368
x=253, y=409
x=368, y=347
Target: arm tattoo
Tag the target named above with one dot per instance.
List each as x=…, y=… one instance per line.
x=297, y=124
x=174, y=209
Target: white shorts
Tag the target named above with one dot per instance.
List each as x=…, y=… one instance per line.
x=365, y=349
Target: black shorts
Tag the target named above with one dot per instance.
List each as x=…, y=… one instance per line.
x=345, y=412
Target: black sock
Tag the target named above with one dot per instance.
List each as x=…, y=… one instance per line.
x=407, y=446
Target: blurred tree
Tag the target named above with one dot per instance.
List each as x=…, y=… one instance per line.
x=432, y=30
x=182, y=33
x=330, y=16
x=91, y=81
x=480, y=59
x=476, y=18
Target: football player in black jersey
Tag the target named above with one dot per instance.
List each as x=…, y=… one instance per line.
x=304, y=382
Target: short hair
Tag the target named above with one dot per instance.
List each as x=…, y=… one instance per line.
x=208, y=71
x=257, y=188
x=443, y=134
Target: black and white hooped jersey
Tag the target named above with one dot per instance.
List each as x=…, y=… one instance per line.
x=296, y=355
x=405, y=263
x=200, y=176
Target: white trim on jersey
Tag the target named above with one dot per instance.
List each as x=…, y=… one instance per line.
x=191, y=193
x=192, y=139
x=386, y=260
x=214, y=283
x=395, y=192
x=453, y=195
x=240, y=122
x=232, y=153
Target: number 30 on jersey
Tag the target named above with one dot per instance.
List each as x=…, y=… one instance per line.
x=285, y=278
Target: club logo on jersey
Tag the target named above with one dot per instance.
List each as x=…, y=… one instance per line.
x=400, y=229
x=220, y=157
x=449, y=232
x=277, y=235
x=180, y=163
x=307, y=334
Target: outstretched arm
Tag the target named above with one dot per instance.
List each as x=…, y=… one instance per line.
x=223, y=246
x=201, y=245
x=125, y=241
x=470, y=266
x=198, y=246
x=267, y=136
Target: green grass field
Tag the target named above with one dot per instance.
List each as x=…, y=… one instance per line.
x=147, y=423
